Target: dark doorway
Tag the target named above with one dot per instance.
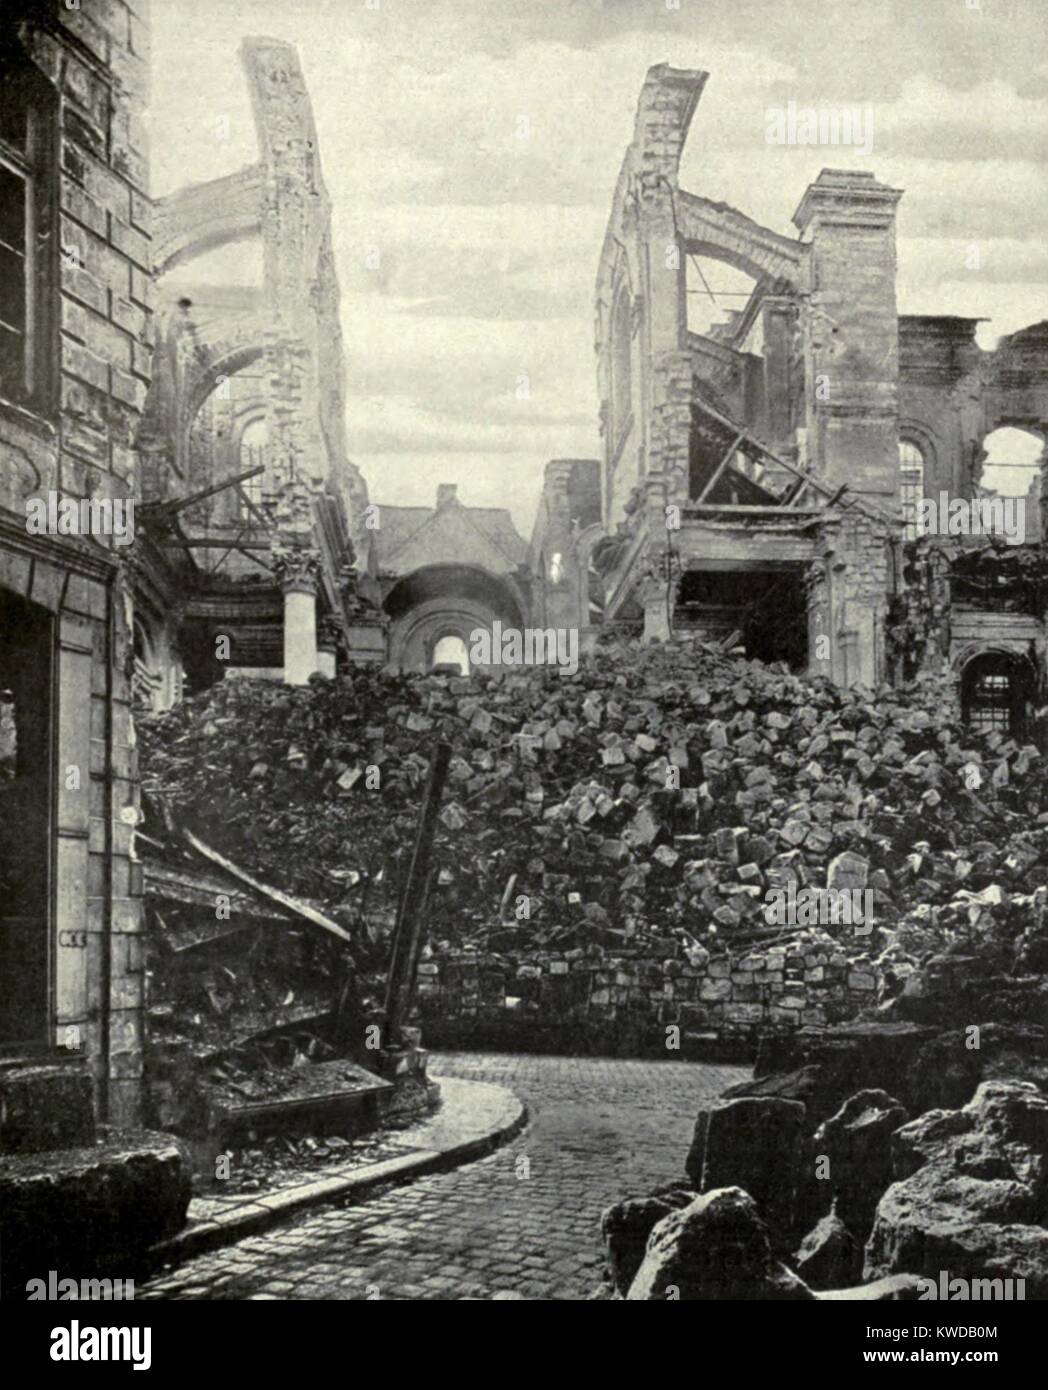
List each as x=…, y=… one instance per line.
x=26, y=640
x=996, y=688
x=766, y=607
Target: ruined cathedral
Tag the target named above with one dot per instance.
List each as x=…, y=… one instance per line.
x=766, y=482
x=758, y=484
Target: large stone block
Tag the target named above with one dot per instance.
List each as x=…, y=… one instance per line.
x=754, y=1143
x=50, y=1106
x=973, y=1194
x=857, y=1142
x=626, y=1227
x=715, y=1248
x=829, y=1256
x=99, y=1206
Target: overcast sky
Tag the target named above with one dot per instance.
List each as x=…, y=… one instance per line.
x=475, y=144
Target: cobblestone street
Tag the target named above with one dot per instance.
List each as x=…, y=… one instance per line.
x=524, y=1221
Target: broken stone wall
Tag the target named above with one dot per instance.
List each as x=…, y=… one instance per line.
x=566, y=525
x=952, y=394
x=549, y=999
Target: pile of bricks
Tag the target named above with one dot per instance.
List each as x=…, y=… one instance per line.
x=647, y=807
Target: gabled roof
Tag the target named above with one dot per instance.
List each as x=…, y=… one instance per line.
x=408, y=537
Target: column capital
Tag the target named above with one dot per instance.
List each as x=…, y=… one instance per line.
x=297, y=569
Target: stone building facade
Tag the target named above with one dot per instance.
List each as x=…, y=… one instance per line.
x=76, y=329
x=758, y=479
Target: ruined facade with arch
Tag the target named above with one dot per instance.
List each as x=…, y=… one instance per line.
x=255, y=510
x=780, y=459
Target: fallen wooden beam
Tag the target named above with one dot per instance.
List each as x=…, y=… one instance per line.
x=409, y=933
x=300, y=909
x=177, y=883
x=712, y=480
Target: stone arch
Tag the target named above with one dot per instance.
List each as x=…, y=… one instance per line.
x=250, y=413
x=203, y=217
x=207, y=438
x=456, y=648
x=414, y=636
x=913, y=431
x=445, y=600
x=217, y=360
x=724, y=234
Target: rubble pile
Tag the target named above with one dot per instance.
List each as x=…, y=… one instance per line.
x=654, y=797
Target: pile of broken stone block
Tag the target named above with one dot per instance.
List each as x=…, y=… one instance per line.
x=654, y=798
x=877, y=1161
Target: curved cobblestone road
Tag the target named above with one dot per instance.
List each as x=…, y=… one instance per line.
x=599, y=1130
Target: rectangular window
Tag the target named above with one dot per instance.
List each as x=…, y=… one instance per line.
x=16, y=367
x=911, y=487
x=28, y=272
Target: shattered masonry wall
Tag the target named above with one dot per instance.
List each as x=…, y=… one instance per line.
x=636, y=997
x=952, y=394
x=567, y=524
x=78, y=438
x=810, y=365
x=272, y=353
x=855, y=560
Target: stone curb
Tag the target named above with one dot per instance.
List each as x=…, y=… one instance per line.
x=266, y=1212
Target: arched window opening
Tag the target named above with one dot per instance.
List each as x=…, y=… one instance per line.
x=621, y=366
x=911, y=487
x=995, y=689
x=451, y=656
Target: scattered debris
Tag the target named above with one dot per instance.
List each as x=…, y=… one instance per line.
x=727, y=780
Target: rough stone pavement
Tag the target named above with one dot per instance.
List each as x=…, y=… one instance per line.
x=523, y=1222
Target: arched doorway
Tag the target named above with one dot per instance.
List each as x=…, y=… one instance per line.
x=996, y=690
x=445, y=601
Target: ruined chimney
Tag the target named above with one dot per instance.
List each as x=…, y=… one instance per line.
x=446, y=494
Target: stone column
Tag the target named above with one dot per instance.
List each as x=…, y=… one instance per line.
x=298, y=572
